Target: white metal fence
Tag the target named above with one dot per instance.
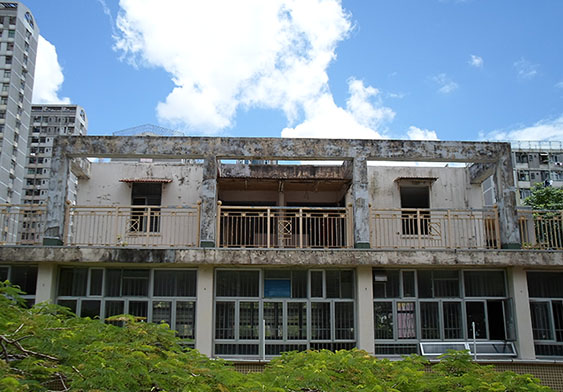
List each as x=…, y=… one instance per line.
x=22, y=224
x=152, y=226
x=434, y=228
x=284, y=227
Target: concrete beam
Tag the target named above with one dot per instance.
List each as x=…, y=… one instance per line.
x=506, y=201
x=279, y=148
x=204, y=313
x=208, y=202
x=81, y=167
x=278, y=257
x=46, y=283
x=285, y=172
x=364, y=309
x=518, y=289
x=57, y=194
x=479, y=172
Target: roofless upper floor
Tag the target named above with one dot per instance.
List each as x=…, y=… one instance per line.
x=260, y=192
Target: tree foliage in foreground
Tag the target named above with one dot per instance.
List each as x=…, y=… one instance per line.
x=47, y=344
x=545, y=198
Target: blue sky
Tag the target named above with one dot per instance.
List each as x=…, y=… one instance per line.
x=420, y=69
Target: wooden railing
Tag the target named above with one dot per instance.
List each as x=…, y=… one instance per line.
x=541, y=229
x=154, y=226
x=22, y=224
x=434, y=228
x=284, y=227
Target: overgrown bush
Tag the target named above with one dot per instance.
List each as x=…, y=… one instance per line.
x=48, y=345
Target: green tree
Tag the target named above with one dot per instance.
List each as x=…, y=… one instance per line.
x=545, y=198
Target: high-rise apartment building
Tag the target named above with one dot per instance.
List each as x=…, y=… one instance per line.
x=48, y=121
x=18, y=48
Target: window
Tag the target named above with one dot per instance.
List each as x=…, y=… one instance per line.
x=438, y=305
x=11, y=33
x=101, y=293
x=23, y=276
x=145, y=219
x=415, y=202
x=301, y=310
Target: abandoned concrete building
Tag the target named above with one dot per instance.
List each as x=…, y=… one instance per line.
x=247, y=260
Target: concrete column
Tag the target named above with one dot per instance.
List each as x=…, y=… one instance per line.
x=360, y=199
x=208, y=202
x=204, y=311
x=506, y=201
x=518, y=287
x=56, y=201
x=46, y=283
x=364, y=300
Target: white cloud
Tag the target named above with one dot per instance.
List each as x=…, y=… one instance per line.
x=525, y=69
x=415, y=133
x=49, y=76
x=444, y=83
x=363, y=117
x=549, y=130
x=559, y=85
x=476, y=61
x=225, y=55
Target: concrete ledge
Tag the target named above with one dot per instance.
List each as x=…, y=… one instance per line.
x=284, y=257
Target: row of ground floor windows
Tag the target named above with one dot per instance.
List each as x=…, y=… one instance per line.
x=267, y=311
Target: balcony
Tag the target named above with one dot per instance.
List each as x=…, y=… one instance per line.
x=284, y=227
x=434, y=229
x=541, y=229
x=132, y=226
x=21, y=224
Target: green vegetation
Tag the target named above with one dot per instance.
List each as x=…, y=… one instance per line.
x=48, y=345
x=545, y=198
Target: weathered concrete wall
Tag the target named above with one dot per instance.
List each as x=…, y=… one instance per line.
x=276, y=148
x=451, y=189
x=104, y=188
x=301, y=172
x=285, y=257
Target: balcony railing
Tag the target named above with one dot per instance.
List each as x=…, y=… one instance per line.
x=541, y=229
x=410, y=228
x=21, y=224
x=284, y=227
x=150, y=226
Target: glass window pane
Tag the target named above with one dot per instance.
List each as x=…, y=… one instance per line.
x=332, y=284
x=557, y=307
x=429, y=320
x=408, y=284
x=297, y=320
x=114, y=308
x=299, y=284
x=162, y=312
x=383, y=314
x=3, y=274
x=164, y=283
x=347, y=284
x=279, y=288
x=273, y=316
x=540, y=320
x=316, y=284
x=68, y=303
x=446, y=284
x=72, y=281
x=320, y=321
x=96, y=276
x=484, y=283
x=113, y=283
x=90, y=308
x=425, y=284
x=135, y=283
x=248, y=320
x=386, y=283
x=344, y=320
x=406, y=320
x=25, y=277
x=545, y=284
x=225, y=320
x=238, y=283
x=452, y=320
x=139, y=309
x=185, y=319
x=186, y=282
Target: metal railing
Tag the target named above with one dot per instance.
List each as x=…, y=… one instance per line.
x=541, y=229
x=284, y=227
x=151, y=226
x=22, y=224
x=412, y=228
